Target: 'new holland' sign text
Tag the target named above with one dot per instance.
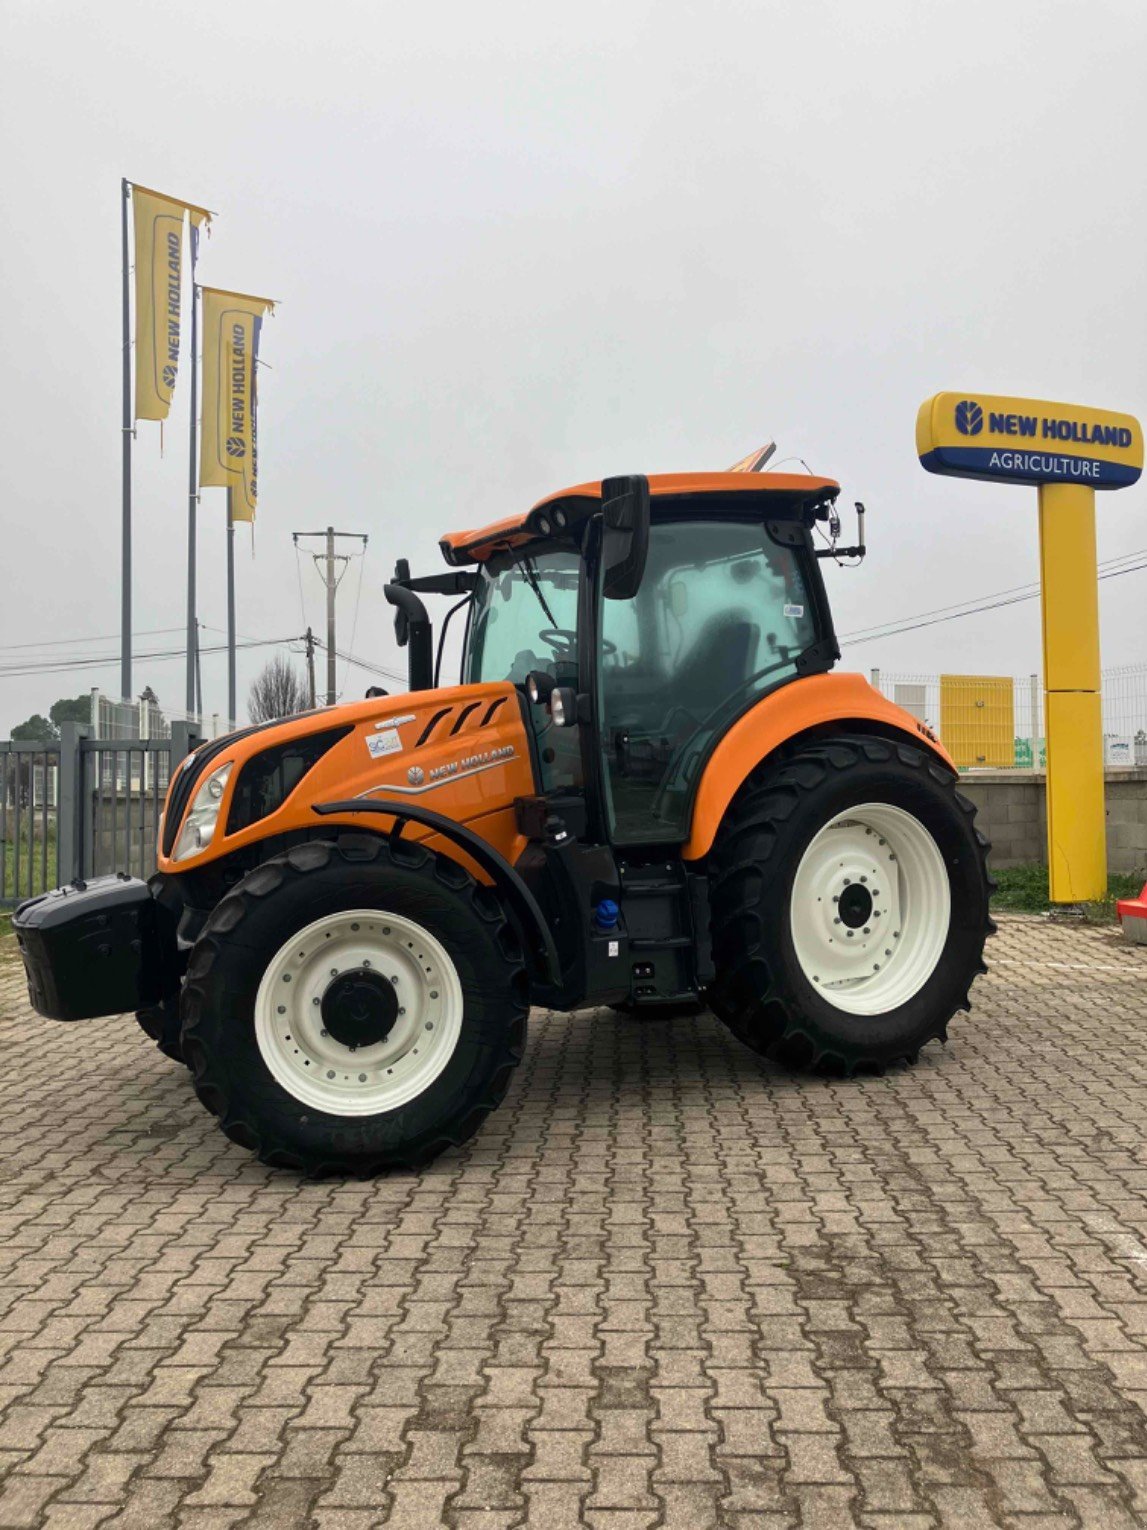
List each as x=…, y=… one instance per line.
x=1022, y=440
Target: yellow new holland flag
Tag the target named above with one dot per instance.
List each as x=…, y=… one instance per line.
x=158, y=295
x=229, y=447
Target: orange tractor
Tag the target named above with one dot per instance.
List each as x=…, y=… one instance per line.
x=649, y=791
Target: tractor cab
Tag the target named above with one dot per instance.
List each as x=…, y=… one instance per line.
x=637, y=618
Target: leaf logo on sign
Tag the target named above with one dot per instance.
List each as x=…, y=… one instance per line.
x=969, y=417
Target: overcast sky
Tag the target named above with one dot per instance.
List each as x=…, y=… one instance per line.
x=517, y=246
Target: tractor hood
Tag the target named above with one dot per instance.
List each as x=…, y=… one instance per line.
x=463, y=751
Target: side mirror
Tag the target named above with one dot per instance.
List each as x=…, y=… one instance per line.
x=625, y=542
x=401, y=618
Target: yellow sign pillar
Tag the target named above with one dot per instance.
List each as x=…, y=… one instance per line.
x=1069, y=452
x=1069, y=590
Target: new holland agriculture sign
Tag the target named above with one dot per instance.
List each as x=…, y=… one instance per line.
x=1023, y=440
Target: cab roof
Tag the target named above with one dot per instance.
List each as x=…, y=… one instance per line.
x=786, y=491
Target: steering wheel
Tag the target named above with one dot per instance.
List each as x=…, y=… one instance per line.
x=564, y=642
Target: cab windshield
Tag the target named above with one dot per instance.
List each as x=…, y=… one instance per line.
x=525, y=617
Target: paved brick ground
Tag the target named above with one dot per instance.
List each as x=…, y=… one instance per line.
x=667, y=1285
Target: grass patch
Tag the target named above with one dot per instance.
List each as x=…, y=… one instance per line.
x=28, y=867
x=1024, y=890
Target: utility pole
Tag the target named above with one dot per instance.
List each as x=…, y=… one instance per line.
x=310, y=641
x=331, y=587
x=326, y=562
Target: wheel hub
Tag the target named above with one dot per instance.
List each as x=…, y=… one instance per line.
x=855, y=906
x=359, y=1008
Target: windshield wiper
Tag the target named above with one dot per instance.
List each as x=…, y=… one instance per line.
x=527, y=568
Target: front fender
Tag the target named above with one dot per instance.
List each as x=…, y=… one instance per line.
x=797, y=708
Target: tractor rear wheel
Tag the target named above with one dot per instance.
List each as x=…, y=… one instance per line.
x=354, y=1006
x=849, y=901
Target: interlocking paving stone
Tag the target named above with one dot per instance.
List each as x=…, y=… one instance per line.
x=667, y=1285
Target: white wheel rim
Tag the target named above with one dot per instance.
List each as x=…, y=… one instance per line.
x=388, y=1071
x=870, y=965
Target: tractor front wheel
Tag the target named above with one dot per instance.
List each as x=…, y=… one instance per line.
x=849, y=905
x=354, y=1006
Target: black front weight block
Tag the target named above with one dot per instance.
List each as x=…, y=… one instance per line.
x=103, y=947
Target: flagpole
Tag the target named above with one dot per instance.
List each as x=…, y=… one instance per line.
x=230, y=609
x=125, y=609
x=193, y=485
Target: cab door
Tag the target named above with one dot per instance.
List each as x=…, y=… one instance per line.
x=721, y=616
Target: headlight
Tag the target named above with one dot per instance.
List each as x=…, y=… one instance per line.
x=201, y=822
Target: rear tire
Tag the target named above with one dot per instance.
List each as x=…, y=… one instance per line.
x=354, y=1006
x=818, y=982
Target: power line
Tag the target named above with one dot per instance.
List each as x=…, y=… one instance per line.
x=102, y=637
x=157, y=657
x=371, y=669
x=1016, y=600
x=1031, y=585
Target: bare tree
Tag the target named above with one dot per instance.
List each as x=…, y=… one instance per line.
x=279, y=691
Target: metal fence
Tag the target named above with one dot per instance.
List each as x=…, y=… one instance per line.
x=996, y=721
x=29, y=801
x=83, y=807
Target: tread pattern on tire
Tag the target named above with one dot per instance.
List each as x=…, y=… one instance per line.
x=745, y=993
x=296, y=864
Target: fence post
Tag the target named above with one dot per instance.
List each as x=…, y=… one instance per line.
x=185, y=736
x=875, y=679
x=70, y=812
x=1033, y=700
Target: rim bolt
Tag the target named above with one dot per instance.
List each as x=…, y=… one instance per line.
x=864, y=879
x=836, y=897
x=430, y=1025
x=394, y=979
x=316, y=1002
x=286, y=977
x=867, y=931
x=324, y=1033
x=362, y=1078
x=366, y=964
x=330, y=1073
x=888, y=950
x=334, y=972
x=836, y=921
x=895, y=934
x=434, y=993
x=282, y=1009
x=401, y=1011
x=847, y=880
x=851, y=933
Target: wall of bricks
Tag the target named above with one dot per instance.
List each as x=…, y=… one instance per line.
x=1012, y=812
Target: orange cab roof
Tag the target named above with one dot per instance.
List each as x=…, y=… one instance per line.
x=478, y=543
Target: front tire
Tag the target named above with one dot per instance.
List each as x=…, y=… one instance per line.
x=354, y=1006
x=849, y=897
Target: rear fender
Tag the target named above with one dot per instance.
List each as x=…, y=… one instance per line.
x=799, y=708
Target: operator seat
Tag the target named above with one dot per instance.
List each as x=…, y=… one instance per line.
x=718, y=664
